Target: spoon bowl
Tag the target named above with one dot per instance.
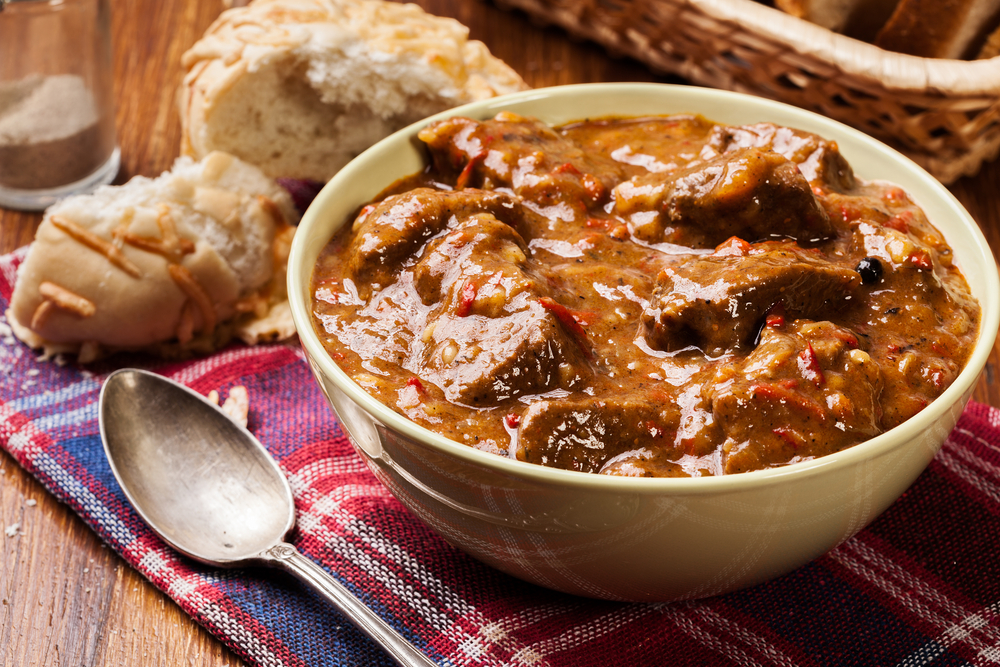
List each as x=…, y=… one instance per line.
x=204, y=483
x=210, y=489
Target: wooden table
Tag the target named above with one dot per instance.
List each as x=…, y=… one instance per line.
x=66, y=599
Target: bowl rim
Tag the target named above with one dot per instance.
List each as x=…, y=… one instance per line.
x=299, y=278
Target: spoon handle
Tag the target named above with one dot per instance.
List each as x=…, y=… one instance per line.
x=288, y=558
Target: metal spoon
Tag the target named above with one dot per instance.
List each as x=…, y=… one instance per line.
x=210, y=489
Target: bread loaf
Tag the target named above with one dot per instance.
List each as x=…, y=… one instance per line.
x=829, y=14
x=927, y=28
x=939, y=28
x=300, y=87
x=851, y=17
x=173, y=265
x=991, y=49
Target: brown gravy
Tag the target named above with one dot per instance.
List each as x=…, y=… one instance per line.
x=659, y=296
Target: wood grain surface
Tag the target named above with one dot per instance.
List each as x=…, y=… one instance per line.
x=66, y=599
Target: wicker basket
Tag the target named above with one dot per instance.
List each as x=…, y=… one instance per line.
x=945, y=114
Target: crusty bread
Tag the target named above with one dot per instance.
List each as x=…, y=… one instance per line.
x=939, y=28
x=830, y=14
x=173, y=264
x=991, y=49
x=856, y=18
x=300, y=87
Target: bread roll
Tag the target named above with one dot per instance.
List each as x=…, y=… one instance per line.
x=174, y=265
x=300, y=87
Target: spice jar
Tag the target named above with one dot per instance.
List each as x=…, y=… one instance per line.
x=57, y=125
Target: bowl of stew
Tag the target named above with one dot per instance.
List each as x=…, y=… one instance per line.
x=642, y=342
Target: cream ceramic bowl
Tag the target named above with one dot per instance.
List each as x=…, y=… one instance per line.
x=622, y=538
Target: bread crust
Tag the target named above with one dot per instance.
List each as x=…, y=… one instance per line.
x=298, y=87
x=938, y=28
x=991, y=49
x=167, y=264
x=860, y=19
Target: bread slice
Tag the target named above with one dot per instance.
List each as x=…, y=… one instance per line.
x=939, y=28
x=860, y=19
x=173, y=265
x=300, y=87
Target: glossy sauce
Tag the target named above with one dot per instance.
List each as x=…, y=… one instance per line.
x=647, y=297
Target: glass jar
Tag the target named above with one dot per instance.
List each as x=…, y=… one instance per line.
x=57, y=121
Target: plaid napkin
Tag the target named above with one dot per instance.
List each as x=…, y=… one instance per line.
x=920, y=586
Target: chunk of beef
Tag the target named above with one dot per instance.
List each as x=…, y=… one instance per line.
x=819, y=159
x=397, y=227
x=807, y=390
x=482, y=260
x=554, y=175
x=717, y=301
x=586, y=433
x=493, y=333
x=751, y=193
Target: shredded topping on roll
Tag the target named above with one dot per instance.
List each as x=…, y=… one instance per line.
x=193, y=289
x=66, y=300
x=96, y=243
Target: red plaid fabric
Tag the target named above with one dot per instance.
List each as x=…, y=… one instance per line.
x=920, y=586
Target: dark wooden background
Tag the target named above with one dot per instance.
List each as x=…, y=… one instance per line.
x=66, y=599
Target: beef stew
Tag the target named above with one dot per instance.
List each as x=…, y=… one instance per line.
x=659, y=296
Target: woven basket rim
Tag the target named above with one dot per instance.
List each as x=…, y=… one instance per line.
x=893, y=71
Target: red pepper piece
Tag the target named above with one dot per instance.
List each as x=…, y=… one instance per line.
x=900, y=222
x=463, y=178
x=849, y=339
x=567, y=168
x=733, y=246
x=572, y=319
x=922, y=260
x=655, y=430
x=809, y=366
x=366, y=211
x=469, y=291
x=789, y=435
x=659, y=396
x=778, y=394
x=895, y=195
x=416, y=384
x=569, y=320
x=775, y=317
x=512, y=420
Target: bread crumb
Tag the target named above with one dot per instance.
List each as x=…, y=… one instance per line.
x=13, y=529
x=30, y=502
x=237, y=404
